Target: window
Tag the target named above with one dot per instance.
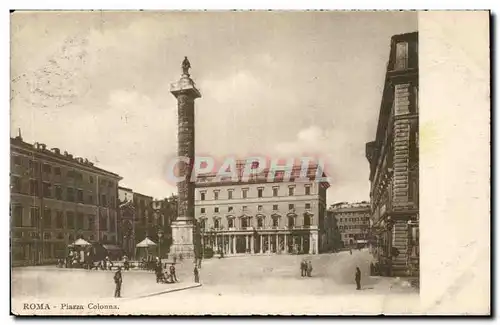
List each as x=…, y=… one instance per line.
x=275, y=207
x=229, y=209
x=216, y=223
x=17, y=215
x=46, y=189
x=80, y=196
x=244, y=193
x=259, y=192
x=70, y=219
x=245, y=208
x=91, y=179
x=308, y=190
x=230, y=223
x=308, y=205
x=58, y=192
x=59, y=220
x=105, y=203
x=275, y=191
x=216, y=209
x=34, y=217
x=60, y=235
x=33, y=166
x=46, y=235
x=33, y=187
x=291, y=206
x=401, y=56
x=202, y=210
x=276, y=222
x=17, y=160
x=244, y=222
x=260, y=222
x=46, y=168
x=230, y=194
x=259, y=208
x=103, y=222
x=47, y=218
x=70, y=174
x=203, y=224
x=290, y=191
x=291, y=221
x=112, y=223
x=216, y=195
x=79, y=221
x=70, y=195
x=90, y=199
x=16, y=184
x=91, y=220
x=202, y=196
x=57, y=171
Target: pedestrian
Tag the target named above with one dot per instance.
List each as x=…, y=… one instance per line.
x=196, y=275
x=350, y=251
x=158, y=271
x=309, y=268
x=174, y=258
x=172, y=273
x=303, y=268
x=118, y=282
x=358, y=278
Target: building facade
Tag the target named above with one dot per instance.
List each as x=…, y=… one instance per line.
x=136, y=218
x=55, y=199
x=393, y=159
x=332, y=241
x=260, y=217
x=353, y=220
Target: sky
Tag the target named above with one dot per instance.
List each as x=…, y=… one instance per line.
x=273, y=84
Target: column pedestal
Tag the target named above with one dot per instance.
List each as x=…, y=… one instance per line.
x=182, y=234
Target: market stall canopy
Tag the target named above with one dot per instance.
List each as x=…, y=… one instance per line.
x=81, y=242
x=146, y=243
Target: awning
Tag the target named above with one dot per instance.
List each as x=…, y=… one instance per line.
x=112, y=248
x=81, y=242
x=146, y=243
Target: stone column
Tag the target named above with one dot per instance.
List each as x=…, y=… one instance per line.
x=234, y=244
x=277, y=243
x=269, y=243
x=311, y=243
x=261, y=243
x=246, y=243
x=285, y=243
x=252, y=241
x=182, y=228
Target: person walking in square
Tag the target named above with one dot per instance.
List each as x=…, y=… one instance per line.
x=303, y=268
x=309, y=268
x=357, y=277
x=118, y=282
x=172, y=273
x=196, y=275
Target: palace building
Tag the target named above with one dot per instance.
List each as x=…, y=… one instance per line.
x=353, y=221
x=257, y=216
x=393, y=159
x=55, y=199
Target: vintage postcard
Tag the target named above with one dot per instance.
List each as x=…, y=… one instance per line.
x=249, y=163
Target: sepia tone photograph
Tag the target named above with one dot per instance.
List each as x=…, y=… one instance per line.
x=167, y=156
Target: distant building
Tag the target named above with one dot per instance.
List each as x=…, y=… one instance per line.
x=353, y=221
x=393, y=159
x=332, y=240
x=256, y=216
x=136, y=218
x=55, y=199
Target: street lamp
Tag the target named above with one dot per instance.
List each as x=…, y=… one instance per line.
x=160, y=235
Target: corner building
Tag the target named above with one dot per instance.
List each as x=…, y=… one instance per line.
x=260, y=217
x=393, y=159
x=55, y=199
x=353, y=222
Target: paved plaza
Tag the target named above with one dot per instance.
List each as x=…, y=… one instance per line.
x=246, y=276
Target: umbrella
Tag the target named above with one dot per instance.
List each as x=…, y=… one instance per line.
x=146, y=243
x=81, y=242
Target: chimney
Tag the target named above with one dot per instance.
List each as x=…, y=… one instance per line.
x=57, y=151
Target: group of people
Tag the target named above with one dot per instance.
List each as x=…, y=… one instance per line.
x=306, y=268
x=167, y=276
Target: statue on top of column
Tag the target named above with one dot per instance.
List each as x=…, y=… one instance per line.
x=186, y=66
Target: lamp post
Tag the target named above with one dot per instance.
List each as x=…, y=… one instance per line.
x=160, y=235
